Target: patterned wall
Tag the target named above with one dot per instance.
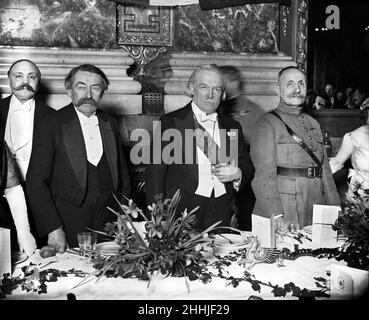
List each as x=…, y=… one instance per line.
x=63, y=23
x=92, y=24
x=248, y=29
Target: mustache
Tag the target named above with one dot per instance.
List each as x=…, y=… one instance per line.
x=87, y=101
x=296, y=95
x=24, y=86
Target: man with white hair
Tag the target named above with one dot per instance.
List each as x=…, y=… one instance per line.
x=208, y=181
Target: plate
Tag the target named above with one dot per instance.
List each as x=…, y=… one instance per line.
x=18, y=257
x=232, y=240
x=308, y=229
x=109, y=248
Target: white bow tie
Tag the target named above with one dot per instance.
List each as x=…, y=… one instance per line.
x=209, y=117
x=91, y=121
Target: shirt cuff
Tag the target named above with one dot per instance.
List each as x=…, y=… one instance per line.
x=237, y=183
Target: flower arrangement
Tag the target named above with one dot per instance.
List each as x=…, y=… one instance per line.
x=170, y=245
x=353, y=224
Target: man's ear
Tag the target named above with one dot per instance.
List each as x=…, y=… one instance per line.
x=69, y=92
x=224, y=95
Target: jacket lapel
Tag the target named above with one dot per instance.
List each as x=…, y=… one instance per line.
x=74, y=144
x=186, y=121
x=4, y=110
x=109, y=145
x=222, y=126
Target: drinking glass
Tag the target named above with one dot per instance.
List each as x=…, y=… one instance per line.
x=87, y=243
x=292, y=226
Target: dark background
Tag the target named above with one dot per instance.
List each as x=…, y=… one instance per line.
x=340, y=57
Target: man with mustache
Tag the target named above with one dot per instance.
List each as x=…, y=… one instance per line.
x=288, y=179
x=20, y=115
x=206, y=181
x=77, y=163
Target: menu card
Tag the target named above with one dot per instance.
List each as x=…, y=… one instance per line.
x=323, y=219
x=264, y=228
x=5, y=252
x=348, y=283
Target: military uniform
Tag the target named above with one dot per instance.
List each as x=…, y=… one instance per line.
x=288, y=190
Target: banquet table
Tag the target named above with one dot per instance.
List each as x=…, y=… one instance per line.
x=300, y=271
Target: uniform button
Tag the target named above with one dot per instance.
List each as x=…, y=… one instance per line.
x=306, y=130
x=309, y=138
x=311, y=147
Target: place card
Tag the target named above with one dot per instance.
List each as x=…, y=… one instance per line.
x=348, y=283
x=264, y=228
x=323, y=218
x=5, y=252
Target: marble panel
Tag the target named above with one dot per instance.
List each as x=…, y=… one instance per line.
x=51, y=23
x=252, y=28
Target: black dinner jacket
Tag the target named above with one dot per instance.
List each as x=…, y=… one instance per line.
x=58, y=165
x=163, y=180
x=41, y=111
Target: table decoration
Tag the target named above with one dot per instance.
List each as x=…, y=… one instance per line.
x=170, y=246
x=353, y=225
x=34, y=279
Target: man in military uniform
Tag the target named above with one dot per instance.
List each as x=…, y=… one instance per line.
x=288, y=180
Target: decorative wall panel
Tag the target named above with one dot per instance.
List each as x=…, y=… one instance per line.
x=243, y=29
x=67, y=23
x=145, y=25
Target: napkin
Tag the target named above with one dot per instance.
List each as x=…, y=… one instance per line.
x=323, y=219
x=348, y=283
x=5, y=252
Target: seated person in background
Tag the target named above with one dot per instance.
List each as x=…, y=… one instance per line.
x=355, y=144
x=13, y=192
x=348, y=103
x=358, y=97
x=330, y=95
x=340, y=100
x=320, y=101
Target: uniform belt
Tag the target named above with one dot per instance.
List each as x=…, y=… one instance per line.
x=310, y=172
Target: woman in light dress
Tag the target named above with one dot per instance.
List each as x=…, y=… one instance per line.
x=355, y=144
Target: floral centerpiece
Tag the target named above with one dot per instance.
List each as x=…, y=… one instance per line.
x=169, y=246
x=353, y=224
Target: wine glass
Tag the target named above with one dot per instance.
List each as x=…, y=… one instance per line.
x=292, y=226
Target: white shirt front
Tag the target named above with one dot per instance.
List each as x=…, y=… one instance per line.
x=19, y=132
x=207, y=181
x=92, y=137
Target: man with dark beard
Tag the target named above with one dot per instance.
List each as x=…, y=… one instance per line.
x=291, y=166
x=77, y=163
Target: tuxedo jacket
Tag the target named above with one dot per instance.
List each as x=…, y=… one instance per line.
x=58, y=165
x=164, y=180
x=41, y=111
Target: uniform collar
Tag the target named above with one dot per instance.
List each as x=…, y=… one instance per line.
x=289, y=109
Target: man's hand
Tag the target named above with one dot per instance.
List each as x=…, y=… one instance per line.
x=57, y=240
x=226, y=172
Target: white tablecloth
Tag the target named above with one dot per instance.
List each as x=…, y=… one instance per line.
x=300, y=271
